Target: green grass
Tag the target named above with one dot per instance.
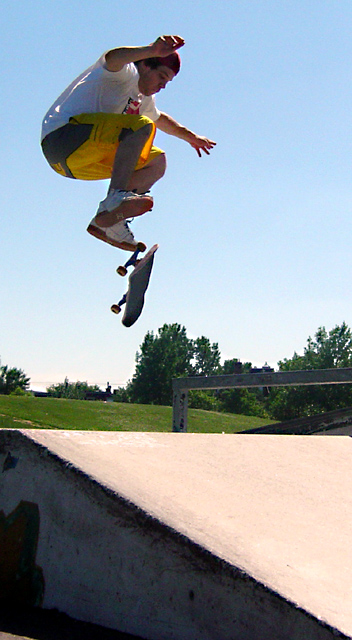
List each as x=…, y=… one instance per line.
x=55, y=413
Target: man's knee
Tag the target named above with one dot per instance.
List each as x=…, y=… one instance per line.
x=159, y=164
x=162, y=163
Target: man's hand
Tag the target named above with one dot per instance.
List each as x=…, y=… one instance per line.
x=167, y=124
x=199, y=143
x=165, y=45
x=115, y=59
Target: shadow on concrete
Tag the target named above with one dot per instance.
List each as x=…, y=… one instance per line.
x=40, y=624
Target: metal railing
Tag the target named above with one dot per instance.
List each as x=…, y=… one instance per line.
x=181, y=386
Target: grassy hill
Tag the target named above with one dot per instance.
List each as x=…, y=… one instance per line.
x=55, y=413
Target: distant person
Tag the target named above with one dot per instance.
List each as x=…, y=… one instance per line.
x=103, y=126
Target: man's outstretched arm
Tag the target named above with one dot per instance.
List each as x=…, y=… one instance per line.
x=168, y=125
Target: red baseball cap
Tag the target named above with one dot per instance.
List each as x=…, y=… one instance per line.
x=173, y=61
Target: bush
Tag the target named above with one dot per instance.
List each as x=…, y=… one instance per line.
x=122, y=394
x=202, y=400
x=20, y=392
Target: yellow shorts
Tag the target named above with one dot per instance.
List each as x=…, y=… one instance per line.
x=85, y=148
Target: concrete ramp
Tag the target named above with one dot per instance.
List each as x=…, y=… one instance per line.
x=172, y=536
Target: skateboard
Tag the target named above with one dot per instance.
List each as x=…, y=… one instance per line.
x=138, y=282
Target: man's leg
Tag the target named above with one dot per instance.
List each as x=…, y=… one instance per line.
x=86, y=149
x=127, y=155
x=119, y=234
x=143, y=179
x=136, y=166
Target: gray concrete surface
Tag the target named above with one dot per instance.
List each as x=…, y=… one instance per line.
x=10, y=636
x=190, y=535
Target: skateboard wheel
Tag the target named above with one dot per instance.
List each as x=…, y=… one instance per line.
x=141, y=246
x=115, y=308
x=121, y=271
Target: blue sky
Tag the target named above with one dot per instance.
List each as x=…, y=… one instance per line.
x=255, y=240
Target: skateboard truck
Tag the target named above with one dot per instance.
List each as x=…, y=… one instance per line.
x=116, y=308
x=122, y=270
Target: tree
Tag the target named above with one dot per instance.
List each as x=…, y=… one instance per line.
x=161, y=357
x=167, y=355
x=72, y=390
x=206, y=358
x=248, y=402
x=324, y=351
x=12, y=379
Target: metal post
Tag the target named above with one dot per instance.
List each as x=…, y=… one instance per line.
x=180, y=406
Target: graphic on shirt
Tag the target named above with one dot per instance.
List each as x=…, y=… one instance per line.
x=132, y=107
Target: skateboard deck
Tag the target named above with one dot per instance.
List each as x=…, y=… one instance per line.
x=138, y=282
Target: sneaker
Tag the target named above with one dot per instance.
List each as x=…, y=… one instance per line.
x=124, y=204
x=119, y=235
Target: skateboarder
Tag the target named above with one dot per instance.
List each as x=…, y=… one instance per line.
x=103, y=126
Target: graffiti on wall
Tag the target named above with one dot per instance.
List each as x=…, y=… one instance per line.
x=21, y=580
